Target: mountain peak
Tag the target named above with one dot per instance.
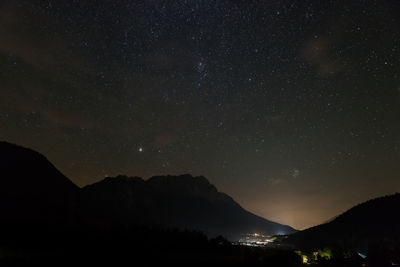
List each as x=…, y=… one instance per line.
x=186, y=184
x=186, y=179
x=124, y=178
x=31, y=185
x=183, y=178
x=183, y=201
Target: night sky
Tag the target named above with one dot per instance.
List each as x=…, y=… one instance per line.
x=291, y=107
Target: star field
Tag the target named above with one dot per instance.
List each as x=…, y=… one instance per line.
x=291, y=107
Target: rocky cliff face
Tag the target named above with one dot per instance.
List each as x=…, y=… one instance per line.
x=183, y=201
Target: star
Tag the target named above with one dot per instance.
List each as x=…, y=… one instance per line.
x=276, y=89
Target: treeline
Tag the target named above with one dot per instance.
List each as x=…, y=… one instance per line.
x=122, y=246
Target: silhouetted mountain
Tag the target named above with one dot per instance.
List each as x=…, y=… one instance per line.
x=32, y=190
x=182, y=201
x=373, y=222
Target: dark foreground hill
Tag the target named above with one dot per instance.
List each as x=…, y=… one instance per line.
x=369, y=227
x=32, y=190
x=185, y=202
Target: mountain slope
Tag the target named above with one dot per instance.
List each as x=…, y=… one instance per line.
x=23, y=168
x=31, y=188
x=371, y=222
x=174, y=201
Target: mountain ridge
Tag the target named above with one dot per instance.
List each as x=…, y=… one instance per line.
x=182, y=201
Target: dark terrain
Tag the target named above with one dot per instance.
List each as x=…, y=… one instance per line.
x=168, y=218
x=45, y=218
x=183, y=202
x=371, y=228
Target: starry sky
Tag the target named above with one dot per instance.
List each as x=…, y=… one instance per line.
x=291, y=107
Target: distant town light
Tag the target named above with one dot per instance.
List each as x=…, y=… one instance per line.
x=305, y=259
x=361, y=255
